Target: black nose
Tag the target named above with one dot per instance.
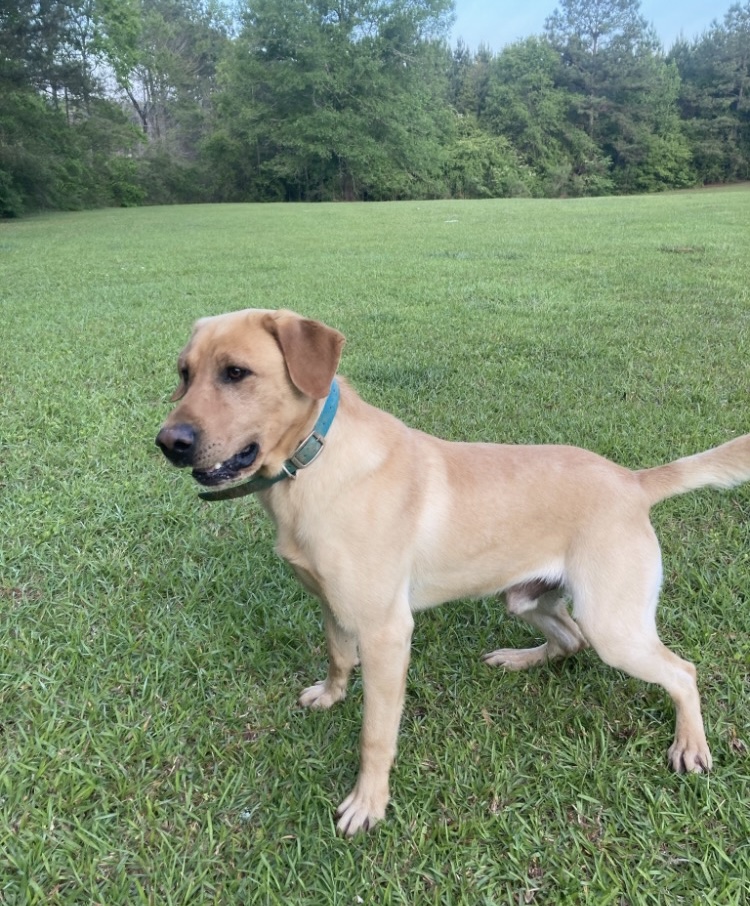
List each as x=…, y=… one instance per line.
x=177, y=443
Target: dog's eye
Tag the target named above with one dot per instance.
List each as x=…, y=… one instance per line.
x=234, y=373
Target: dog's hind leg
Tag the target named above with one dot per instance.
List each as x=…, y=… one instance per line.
x=615, y=605
x=545, y=608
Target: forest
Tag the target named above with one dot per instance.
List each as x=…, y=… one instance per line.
x=129, y=102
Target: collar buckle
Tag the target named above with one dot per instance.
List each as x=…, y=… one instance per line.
x=307, y=452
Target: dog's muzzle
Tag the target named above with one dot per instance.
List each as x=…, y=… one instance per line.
x=179, y=444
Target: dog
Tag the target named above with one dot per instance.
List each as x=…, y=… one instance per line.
x=379, y=521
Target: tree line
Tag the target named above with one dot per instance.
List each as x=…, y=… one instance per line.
x=123, y=102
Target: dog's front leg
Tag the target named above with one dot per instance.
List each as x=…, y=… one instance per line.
x=384, y=654
x=342, y=658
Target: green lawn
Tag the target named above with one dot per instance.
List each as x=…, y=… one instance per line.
x=152, y=646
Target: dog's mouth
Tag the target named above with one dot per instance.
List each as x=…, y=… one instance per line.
x=228, y=470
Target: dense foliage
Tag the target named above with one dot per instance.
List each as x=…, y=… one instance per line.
x=150, y=101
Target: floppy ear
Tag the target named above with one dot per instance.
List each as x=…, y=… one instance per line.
x=311, y=351
x=181, y=363
x=179, y=392
x=182, y=386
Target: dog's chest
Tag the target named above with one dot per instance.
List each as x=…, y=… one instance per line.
x=295, y=544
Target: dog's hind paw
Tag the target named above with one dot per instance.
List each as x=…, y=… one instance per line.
x=517, y=658
x=321, y=696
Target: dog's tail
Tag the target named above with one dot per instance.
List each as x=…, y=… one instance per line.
x=721, y=467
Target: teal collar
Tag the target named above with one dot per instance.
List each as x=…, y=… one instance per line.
x=306, y=452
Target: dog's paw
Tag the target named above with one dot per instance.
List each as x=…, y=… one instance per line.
x=321, y=696
x=360, y=812
x=690, y=757
x=517, y=658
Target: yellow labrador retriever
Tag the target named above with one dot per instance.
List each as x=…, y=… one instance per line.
x=379, y=520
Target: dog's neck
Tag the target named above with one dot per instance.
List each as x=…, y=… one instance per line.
x=306, y=453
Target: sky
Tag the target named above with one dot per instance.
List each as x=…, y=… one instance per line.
x=500, y=22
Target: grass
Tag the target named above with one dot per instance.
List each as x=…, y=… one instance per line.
x=152, y=646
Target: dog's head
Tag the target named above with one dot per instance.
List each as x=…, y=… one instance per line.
x=250, y=382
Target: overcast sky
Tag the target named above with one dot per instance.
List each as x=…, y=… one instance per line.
x=500, y=22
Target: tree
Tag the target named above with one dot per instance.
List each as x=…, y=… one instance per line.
x=482, y=165
x=164, y=55
x=715, y=96
x=58, y=134
x=469, y=79
x=626, y=93
x=333, y=100
x=591, y=35
x=529, y=105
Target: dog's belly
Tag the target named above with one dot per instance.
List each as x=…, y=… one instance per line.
x=480, y=577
